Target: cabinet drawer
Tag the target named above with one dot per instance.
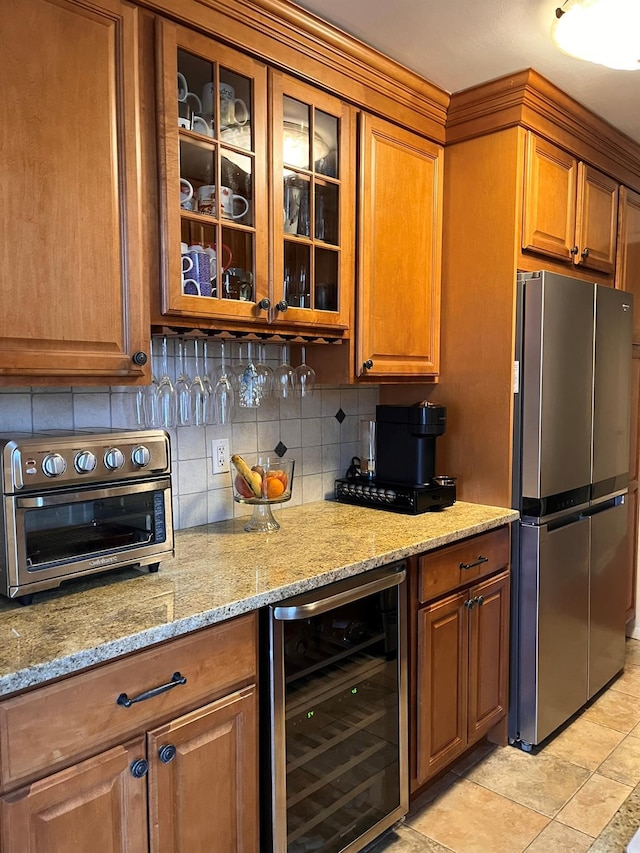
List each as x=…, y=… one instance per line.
x=48, y=728
x=456, y=565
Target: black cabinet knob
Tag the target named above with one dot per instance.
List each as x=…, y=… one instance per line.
x=282, y=305
x=265, y=303
x=574, y=250
x=167, y=753
x=139, y=358
x=584, y=254
x=139, y=768
x=368, y=364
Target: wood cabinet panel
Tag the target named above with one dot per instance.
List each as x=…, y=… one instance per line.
x=597, y=219
x=549, y=213
x=399, y=252
x=570, y=209
x=441, y=684
x=460, y=661
x=97, y=805
x=628, y=255
x=443, y=570
x=73, y=296
x=82, y=713
x=488, y=655
x=215, y=751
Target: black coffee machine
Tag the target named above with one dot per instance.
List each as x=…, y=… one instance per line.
x=405, y=479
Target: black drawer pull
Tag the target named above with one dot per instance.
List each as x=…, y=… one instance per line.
x=478, y=562
x=176, y=679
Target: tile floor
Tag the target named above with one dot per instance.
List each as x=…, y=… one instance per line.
x=580, y=793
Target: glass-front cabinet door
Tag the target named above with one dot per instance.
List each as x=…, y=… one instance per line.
x=213, y=132
x=313, y=205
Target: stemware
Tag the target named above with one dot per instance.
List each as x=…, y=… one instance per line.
x=165, y=393
x=249, y=387
x=181, y=388
x=223, y=396
x=283, y=377
x=147, y=400
x=197, y=392
x=265, y=373
x=208, y=386
x=304, y=377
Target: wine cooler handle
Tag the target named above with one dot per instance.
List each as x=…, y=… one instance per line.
x=339, y=593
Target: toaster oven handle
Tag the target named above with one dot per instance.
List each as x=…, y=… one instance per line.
x=39, y=501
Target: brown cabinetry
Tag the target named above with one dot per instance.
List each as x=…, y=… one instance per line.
x=399, y=252
x=288, y=267
x=74, y=289
x=570, y=208
x=105, y=773
x=460, y=671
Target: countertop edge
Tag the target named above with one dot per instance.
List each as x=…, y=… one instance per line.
x=74, y=662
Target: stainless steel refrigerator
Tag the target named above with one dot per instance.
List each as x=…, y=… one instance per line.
x=572, y=376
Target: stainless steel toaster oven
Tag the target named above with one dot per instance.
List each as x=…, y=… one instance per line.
x=80, y=503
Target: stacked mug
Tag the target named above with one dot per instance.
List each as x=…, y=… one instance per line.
x=200, y=265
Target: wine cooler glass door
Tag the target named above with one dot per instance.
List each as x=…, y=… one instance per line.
x=339, y=706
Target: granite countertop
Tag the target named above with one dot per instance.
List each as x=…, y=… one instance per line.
x=218, y=571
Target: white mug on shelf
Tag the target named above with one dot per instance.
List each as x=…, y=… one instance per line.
x=229, y=201
x=183, y=87
x=186, y=194
x=206, y=199
x=232, y=110
x=201, y=125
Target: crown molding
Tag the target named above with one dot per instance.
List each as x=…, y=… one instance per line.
x=529, y=100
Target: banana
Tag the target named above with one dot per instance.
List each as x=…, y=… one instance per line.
x=251, y=478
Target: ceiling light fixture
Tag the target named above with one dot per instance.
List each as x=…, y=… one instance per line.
x=606, y=32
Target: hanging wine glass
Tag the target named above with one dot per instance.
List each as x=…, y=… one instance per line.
x=283, y=377
x=265, y=373
x=197, y=392
x=223, y=395
x=249, y=387
x=147, y=400
x=206, y=381
x=181, y=387
x=165, y=393
x=305, y=377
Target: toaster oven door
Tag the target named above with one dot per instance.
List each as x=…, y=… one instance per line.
x=51, y=536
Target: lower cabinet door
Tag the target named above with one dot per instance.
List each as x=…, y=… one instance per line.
x=488, y=654
x=441, y=684
x=203, y=779
x=97, y=806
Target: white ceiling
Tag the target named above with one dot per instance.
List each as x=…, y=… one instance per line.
x=459, y=43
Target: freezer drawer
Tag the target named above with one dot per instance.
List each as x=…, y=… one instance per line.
x=553, y=614
x=609, y=565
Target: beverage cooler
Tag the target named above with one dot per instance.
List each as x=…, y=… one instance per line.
x=336, y=746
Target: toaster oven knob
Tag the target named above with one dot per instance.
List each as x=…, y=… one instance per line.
x=140, y=456
x=114, y=459
x=54, y=465
x=85, y=462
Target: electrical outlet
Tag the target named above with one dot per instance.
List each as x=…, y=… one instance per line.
x=219, y=455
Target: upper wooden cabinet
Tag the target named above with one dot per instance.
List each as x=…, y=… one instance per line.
x=213, y=177
x=628, y=260
x=399, y=252
x=570, y=209
x=218, y=157
x=73, y=290
x=313, y=168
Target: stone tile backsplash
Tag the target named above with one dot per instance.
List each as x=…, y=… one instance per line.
x=321, y=445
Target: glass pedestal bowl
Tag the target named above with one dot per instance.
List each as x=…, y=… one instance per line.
x=272, y=477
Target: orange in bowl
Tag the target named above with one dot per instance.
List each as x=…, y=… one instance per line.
x=274, y=487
